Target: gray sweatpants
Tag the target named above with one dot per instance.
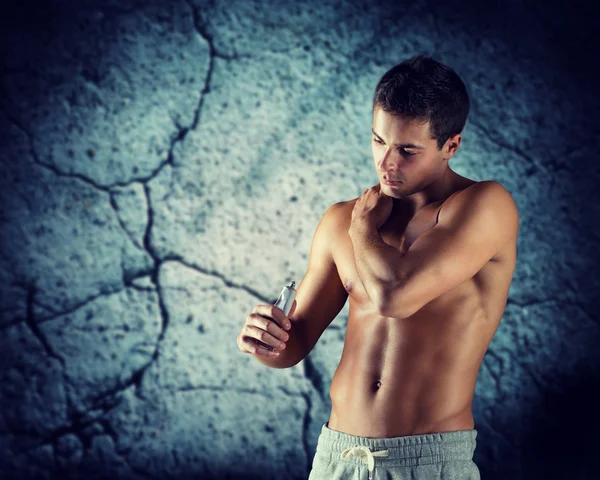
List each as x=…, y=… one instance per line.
x=444, y=455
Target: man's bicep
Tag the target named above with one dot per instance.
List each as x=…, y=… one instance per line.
x=320, y=295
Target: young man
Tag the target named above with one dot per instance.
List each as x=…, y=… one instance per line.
x=426, y=257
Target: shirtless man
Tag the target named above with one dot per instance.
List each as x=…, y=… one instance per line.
x=427, y=263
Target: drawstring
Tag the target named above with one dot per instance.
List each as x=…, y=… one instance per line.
x=364, y=453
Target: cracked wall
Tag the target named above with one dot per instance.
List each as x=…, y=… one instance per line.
x=146, y=149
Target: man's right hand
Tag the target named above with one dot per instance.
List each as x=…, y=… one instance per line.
x=263, y=325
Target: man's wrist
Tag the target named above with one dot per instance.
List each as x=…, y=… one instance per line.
x=360, y=229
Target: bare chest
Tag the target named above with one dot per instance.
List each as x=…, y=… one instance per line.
x=401, y=235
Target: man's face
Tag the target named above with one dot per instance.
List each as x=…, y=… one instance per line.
x=403, y=150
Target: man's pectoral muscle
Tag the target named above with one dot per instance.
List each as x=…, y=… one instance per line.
x=479, y=222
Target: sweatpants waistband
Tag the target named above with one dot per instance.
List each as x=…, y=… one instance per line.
x=410, y=450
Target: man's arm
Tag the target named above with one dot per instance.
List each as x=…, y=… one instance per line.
x=376, y=261
x=481, y=221
x=320, y=296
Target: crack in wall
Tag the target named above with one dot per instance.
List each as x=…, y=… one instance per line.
x=312, y=375
x=173, y=257
x=305, y=444
x=183, y=131
x=51, y=167
x=42, y=319
x=492, y=372
x=34, y=327
x=219, y=388
x=535, y=302
x=305, y=424
x=233, y=388
x=200, y=26
x=115, y=207
x=562, y=299
x=535, y=165
x=105, y=188
x=85, y=434
x=541, y=387
x=78, y=424
x=137, y=377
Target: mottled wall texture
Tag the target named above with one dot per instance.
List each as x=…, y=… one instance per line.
x=163, y=167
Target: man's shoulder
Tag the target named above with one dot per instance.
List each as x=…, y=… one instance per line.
x=340, y=210
x=481, y=194
x=487, y=199
x=337, y=219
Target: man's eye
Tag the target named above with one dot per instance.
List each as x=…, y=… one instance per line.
x=401, y=150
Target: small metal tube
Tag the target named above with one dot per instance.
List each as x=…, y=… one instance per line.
x=284, y=302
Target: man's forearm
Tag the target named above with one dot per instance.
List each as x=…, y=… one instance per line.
x=378, y=264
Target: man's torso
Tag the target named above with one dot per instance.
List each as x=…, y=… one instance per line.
x=414, y=375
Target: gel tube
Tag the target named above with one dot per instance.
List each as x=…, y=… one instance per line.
x=285, y=301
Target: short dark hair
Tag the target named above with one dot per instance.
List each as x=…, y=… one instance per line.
x=423, y=89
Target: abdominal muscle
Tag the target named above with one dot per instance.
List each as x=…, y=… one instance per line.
x=407, y=376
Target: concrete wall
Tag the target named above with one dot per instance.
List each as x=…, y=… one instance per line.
x=163, y=167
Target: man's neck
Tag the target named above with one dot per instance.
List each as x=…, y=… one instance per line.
x=437, y=191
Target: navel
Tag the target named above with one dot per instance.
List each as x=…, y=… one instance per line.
x=377, y=384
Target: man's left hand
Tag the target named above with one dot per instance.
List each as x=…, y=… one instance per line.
x=372, y=209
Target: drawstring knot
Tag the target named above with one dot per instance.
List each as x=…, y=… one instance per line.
x=364, y=453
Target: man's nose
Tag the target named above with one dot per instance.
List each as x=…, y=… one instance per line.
x=389, y=160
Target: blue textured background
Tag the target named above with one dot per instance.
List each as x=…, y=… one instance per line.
x=163, y=167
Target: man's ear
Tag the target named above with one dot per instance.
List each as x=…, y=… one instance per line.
x=452, y=145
